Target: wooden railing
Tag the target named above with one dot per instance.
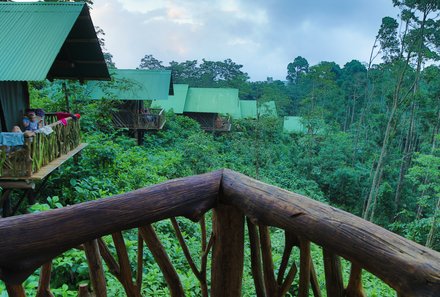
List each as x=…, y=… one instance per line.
x=32, y=240
x=220, y=124
x=153, y=119
x=39, y=150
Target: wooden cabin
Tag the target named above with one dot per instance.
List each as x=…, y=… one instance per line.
x=132, y=87
x=41, y=40
x=212, y=108
x=237, y=203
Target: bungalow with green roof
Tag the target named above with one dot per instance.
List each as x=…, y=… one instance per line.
x=41, y=40
x=213, y=107
x=133, y=87
x=176, y=102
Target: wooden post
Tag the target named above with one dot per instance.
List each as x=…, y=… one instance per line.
x=304, y=268
x=354, y=288
x=268, y=266
x=15, y=290
x=96, y=270
x=83, y=290
x=257, y=273
x=333, y=274
x=228, y=252
x=162, y=259
x=44, y=283
x=140, y=262
x=124, y=265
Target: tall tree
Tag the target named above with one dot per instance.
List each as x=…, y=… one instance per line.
x=417, y=50
x=296, y=69
x=150, y=62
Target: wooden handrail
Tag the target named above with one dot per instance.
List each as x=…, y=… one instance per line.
x=34, y=239
x=405, y=265
x=409, y=268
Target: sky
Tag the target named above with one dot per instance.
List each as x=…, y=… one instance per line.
x=262, y=35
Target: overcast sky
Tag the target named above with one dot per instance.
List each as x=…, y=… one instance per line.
x=262, y=35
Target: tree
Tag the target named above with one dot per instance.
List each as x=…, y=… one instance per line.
x=185, y=72
x=222, y=73
x=296, y=69
x=150, y=62
x=417, y=49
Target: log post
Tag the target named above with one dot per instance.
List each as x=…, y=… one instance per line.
x=124, y=265
x=228, y=252
x=83, y=290
x=304, y=268
x=354, y=288
x=44, y=283
x=140, y=262
x=15, y=290
x=333, y=274
x=162, y=259
x=96, y=270
x=268, y=266
x=257, y=273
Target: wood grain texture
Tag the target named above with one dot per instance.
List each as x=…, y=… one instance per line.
x=96, y=270
x=50, y=233
x=228, y=252
x=333, y=274
x=44, y=282
x=404, y=265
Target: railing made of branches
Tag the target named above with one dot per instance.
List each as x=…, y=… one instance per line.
x=32, y=240
x=40, y=149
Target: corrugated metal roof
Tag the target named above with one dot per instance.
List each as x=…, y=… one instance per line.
x=248, y=109
x=48, y=39
x=132, y=84
x=175, y=102
x=293, y=125
x=213, y=100
x=268, y=109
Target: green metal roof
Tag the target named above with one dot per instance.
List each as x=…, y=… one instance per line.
x=175, y=102
x=268, y=109
x=294, y=125
x=213, y=100
x=133, y=84
x=48, y=39
x=248, y=109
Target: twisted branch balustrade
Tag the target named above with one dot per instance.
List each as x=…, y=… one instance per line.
x=34, y=239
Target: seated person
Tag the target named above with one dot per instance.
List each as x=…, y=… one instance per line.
x=32, y=122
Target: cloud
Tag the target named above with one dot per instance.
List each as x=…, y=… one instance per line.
x=262, y=35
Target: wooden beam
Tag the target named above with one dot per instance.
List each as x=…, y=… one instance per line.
x=404, y=265
x=50, y=233
x=228, y=252
x=22, y=184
